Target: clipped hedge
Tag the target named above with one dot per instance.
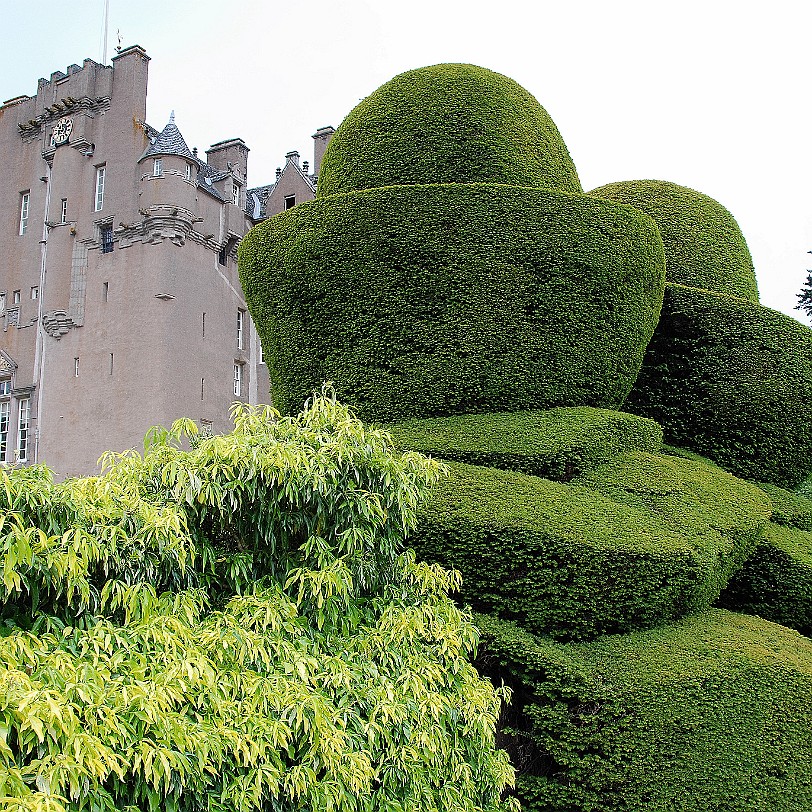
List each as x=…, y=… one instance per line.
x=567, y=561
x=710, y=713
x=731, y=380
x=690, y=497
x=776, y=581
x=433, y=300
x=556, y=443
x=447, y=124
x=704, y=246
x=790, y=509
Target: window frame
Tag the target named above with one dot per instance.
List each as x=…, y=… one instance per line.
x=101, y=180
x=240, y=329
x=106, y=238
x=63, y=217
x=25, y=208
x=157, y=167
x=23, y=427
x=5, y=426
x=237, y=379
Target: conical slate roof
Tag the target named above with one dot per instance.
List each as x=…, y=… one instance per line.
x=169, y=142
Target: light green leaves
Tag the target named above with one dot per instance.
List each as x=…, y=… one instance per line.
x=235, y=626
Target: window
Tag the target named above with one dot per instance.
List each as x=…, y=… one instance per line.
x=105, y=291
x=106, y=239
x=22, y=429
x=235, y=194
x=35, y=293
x=202, y=387
x=25, y=200
x=100, y=173
x=111, y=363
x=64, y=215
x=75, y=367
x=240, y=330
x=16, y=297
x=2, y=302
x=290, y=201
x=5, y=387
x=223, y=256
x=188, y=171
x=261, y=355
x=157, y=168
x=5, y=410
x=203, y=324
x=237, y=380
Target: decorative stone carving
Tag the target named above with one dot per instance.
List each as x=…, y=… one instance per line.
x=56, y=323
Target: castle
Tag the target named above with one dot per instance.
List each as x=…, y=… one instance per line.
x=120, y=303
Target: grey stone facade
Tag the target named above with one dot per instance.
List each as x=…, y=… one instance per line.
x=120, y=302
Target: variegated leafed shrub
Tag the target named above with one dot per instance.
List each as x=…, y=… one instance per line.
x=235, y=626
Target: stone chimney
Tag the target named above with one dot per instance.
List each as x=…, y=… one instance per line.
x=321, y=138
x=233, y=152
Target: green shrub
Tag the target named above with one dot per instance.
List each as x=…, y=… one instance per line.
x=776, y=581
x=236, y=627
x=567, y=561
x=790, y=509
x=731, y=380
x=704, y=246
x=433, y=300
x=690, y=497
x=556, y=444
x=710, y=713
x=447, y=124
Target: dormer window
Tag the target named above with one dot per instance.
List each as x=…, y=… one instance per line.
x=157, y=168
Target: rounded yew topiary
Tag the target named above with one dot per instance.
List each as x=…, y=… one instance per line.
x=447, y=124
x=732, y=380
x=776, y=581
x=572, y=562
x=556, y=443
x=433, y=300
x=710, y=713
x=704, y=246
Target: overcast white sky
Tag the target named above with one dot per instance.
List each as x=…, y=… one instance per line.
x=711, y=94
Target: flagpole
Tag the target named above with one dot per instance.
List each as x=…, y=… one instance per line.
x=106, y=20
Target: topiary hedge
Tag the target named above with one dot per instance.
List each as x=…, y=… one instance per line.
x=776, y=581
x=432, y=300
x=790, y=509
x=731, y=380
x=569, y=562
x=447, y=124
x=704, y=246
x=557, y=443
x=689, y=496
x=710, y=713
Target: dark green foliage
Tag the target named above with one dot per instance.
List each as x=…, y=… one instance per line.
x=711, y=713
x=776, y=581
x=790, y=509
x=432, y=300
x=557, y=443
x=447, y=124
x=704, y=246
x=805, y=296
x=731, y=380
x=690, y=497
x=570, y=562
